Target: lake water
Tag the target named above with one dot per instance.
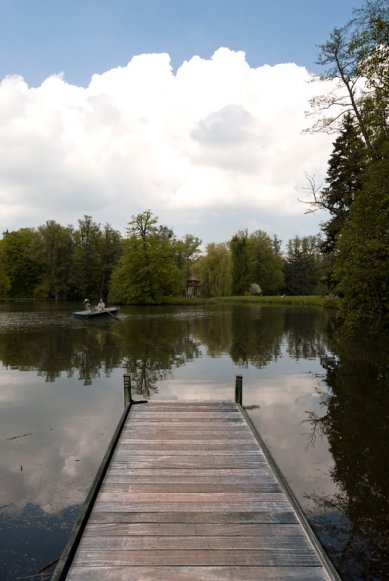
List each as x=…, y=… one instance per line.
x=320, y=403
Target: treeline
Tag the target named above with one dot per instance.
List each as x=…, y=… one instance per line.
x=150, y=263
x=356, y=193
x=60, y=262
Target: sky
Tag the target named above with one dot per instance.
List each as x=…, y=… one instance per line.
x=194, y=109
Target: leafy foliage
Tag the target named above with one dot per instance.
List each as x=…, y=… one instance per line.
x=362, y=265
x=255, y=259
x=153, y=262
x=20, y=265
x=357, y=195
x=302, y=265
x=214, y=271
x=54, y=249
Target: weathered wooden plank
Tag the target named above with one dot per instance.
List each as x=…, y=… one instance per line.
x=172, y=434
x=194, y=417
x=268, y=531
x=262, y=557
x=189, y=497
x=255, y=473
x=118, y=473
x=184, y=410
x=165, y=414
x=111, y=505
x=166, y=444
x=170, y=461
x=193, y=487
x=185, y=406
x=123, y=449
x=184, y=573
x=205, y=422
x=278, y=514
x=158, y=403
x=297, y=543
x=165, y=425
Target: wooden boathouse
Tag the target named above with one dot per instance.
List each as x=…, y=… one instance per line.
x=188, y=491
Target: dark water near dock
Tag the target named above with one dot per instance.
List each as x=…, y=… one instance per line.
x=320, y=403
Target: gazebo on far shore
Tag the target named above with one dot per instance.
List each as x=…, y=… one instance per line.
x=193, y=287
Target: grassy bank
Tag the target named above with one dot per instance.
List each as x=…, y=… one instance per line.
x=300, y=301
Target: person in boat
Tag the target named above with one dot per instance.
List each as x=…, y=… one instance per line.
x=100, y=305
x=87, y=305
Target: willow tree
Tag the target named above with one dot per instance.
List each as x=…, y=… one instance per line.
x=214, y=270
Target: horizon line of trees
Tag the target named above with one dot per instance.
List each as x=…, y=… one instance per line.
x=150, y=262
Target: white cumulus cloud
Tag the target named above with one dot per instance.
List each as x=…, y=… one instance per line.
x=211, y=148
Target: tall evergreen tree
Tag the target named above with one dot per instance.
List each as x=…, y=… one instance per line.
x=362, y=261
x=300, y=266
x=357, y=55
x=343, y=180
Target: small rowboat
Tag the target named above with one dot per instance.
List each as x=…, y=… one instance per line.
x=94, y=313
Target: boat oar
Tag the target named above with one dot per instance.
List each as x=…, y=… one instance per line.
x=112, y=315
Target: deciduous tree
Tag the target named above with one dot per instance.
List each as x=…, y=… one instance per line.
x=54, y=249
x=255, y=259
x=147, y=269
x=214, y=271
x=20, y=263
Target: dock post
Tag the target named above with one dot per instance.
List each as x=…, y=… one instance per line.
x=127, y=389
x=238, y=389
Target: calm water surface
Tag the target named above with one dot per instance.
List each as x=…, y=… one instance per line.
x=321, y=404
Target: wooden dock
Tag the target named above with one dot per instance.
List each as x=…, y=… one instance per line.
x=191, y=493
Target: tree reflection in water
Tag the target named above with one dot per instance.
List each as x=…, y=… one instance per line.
x=152, y=346
x=356, y=424
x=150, y=343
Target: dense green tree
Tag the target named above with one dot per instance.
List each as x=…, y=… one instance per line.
x=266, y=264
x=214, y=271
x=343, y=180
x=110, y=251
x=186, y=253
x=240, y=266
x=362, y=263
x=22, y=270
x=147, y=269
x=302, y=265
x=88, y=259
x=5, y=283
x=255, y=259
x=54, y=249
x=357, y=193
